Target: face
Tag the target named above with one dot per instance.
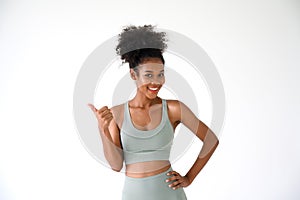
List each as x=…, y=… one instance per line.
x=149, y=77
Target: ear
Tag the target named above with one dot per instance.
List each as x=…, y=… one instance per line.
x=133, y=74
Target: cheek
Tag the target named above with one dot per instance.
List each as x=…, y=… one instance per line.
x=143, y=81
x=141, y=84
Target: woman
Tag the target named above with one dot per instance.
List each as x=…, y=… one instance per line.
x=140, y=131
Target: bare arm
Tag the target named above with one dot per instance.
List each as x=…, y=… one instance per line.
x=205, y=134
x=109, y=133
x=210, y=142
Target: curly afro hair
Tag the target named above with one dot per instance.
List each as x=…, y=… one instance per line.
x=138, y=43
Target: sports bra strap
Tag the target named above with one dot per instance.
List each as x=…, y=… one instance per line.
x=133, y=131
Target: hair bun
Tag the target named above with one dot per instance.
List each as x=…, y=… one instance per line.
x=140, y=37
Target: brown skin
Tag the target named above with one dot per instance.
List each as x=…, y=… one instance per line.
x=140, y=106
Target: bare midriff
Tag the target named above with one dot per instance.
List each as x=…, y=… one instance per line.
x=145, y=169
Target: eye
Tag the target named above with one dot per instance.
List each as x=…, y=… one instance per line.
x=148, y=75
x=161, y=74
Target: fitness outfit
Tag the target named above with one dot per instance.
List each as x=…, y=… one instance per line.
x=150, y=145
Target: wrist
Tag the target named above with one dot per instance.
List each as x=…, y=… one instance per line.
x=189, y=178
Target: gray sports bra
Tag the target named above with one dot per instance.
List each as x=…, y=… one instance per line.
x=141, y=146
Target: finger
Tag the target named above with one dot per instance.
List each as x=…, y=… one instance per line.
x=106, y=115
x=176, y=183
x=179, y=183
x=173, y=178
x=103, y=109
x=176, y=187
x=92, y=107
x=172, y=173
x=104, y=112
x=109, y=119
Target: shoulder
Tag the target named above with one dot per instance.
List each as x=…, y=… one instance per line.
x=117, y=112
x=174, y=104
x=117, y=109
x=177, y=109
x=174, y=109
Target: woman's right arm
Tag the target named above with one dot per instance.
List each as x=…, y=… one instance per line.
x=110, y=136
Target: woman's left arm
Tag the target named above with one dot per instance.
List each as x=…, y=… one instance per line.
x=210, y=142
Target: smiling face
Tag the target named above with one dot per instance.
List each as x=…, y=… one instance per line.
x=149, y=77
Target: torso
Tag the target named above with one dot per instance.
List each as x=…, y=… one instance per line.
x=144, y=169
x=141, y=120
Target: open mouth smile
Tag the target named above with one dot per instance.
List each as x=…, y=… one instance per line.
x=153, y=89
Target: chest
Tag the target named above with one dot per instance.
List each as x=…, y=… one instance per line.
x=146, y=119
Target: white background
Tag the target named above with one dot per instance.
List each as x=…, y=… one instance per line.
x=255, y=46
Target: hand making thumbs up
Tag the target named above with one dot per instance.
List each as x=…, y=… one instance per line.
x=103, y=115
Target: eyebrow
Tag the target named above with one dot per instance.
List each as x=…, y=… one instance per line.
x=152, y=71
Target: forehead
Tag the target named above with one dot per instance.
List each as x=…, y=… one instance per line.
x=155, y=67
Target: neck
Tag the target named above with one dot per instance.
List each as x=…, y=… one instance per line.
x=141, y=101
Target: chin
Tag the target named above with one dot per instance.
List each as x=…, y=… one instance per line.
x=151, y=97
x=150, y=94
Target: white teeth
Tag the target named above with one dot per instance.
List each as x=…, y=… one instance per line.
x=153, y=89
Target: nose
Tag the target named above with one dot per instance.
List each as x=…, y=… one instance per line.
x=157, y=80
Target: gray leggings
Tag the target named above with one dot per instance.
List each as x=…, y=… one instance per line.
x=151, y=188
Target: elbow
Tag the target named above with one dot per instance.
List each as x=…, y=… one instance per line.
x=117, y=168
x=217, y=142
x=214, y=140
x=115, y=161
x=116, y=164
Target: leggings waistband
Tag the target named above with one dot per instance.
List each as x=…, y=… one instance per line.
x=149, y=177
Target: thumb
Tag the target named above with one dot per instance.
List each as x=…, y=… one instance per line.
x=92, y=107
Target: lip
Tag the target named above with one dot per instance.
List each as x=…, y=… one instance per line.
x=153, y=89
